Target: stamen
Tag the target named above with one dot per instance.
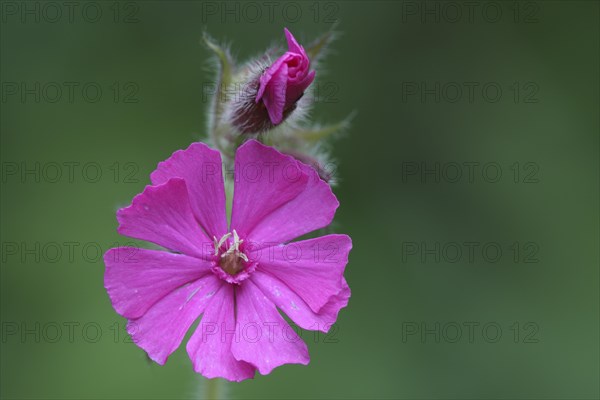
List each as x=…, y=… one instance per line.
x=235, y=247
x=230, y=262
x=219, y=243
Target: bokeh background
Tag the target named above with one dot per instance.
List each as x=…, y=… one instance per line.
x=424, y=321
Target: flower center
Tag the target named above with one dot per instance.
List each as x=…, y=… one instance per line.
x=233, y=260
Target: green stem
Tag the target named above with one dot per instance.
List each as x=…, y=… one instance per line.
x=228, y=196
x=212, y=389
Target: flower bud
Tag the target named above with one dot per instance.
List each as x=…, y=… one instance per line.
x=284, y=82
x=272, y=93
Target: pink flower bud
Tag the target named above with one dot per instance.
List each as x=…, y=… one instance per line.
x=285, y=81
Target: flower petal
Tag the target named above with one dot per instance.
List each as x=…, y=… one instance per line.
x=312, y=268
x=275, y=93
x=312, y=209
x=136, y=279
x=160, y=331
x=162, y=215
x=337, y=302
x=294, y=307
x=293, y=45
x=265, y=180
x=209, y=348
x=265, y=339
x=201, y=168
x=268, y=74
x=295, y=90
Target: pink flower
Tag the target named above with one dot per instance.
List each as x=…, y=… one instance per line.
x=284, y=82
x=236, y=276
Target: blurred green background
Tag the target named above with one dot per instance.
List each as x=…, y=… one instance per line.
x=527, y=318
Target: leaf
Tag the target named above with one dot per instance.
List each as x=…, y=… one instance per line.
x=225, y=61
x=321, y=132
x=224, y=77
x=316, y=49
